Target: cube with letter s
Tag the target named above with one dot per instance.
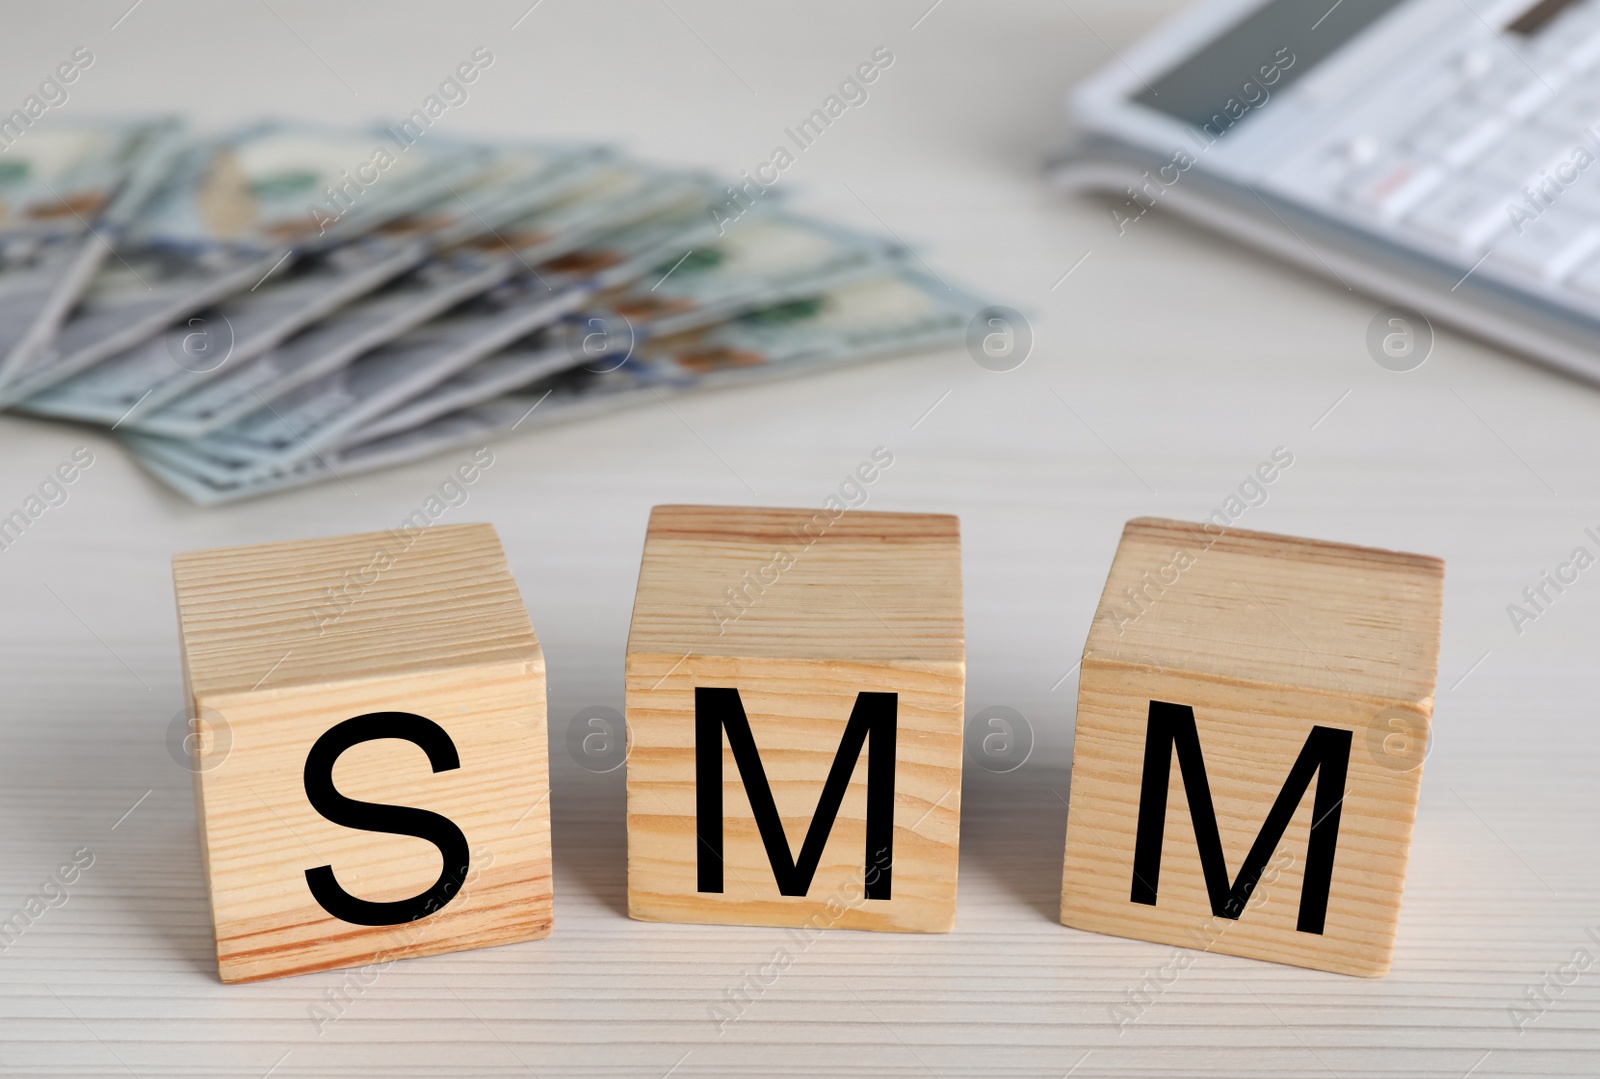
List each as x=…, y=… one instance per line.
x=370, y=769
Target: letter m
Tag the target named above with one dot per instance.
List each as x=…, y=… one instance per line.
x=1326, y=755
x=719, y=710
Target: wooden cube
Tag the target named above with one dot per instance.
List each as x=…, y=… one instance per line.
x=1252, y=716
x=795, y=690
x=373, y=781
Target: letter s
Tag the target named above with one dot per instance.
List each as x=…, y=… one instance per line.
x=484, y=457
x=377, y=817
x=1282, y=457
x=882, y=57
x=82, y=56
x=482, y=56
x=83, y=457
x=882, y=457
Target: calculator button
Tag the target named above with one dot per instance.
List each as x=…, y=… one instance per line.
x=1359, y=150
x=1572, y=111
x=1393, y=186
x=1492, y=91
x=1475, y=63
x=1522, y=154
x=1586, y=53
x=1441, y=128
x=1475, y=141
x=1535, y=95
x=1463, y=214
x=1550, y=247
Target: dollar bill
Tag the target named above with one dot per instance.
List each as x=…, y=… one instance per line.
x=517, y=180
x=613, y=197
x=491, y=377
x=511, y=240
x=853, y=322
x=762, y=261
x=213, y=342
x=439, y=284
x=233, y=210
x=67, y=193
x=321, y=413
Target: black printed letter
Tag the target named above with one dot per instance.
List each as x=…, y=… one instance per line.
x=377, y=817
x=1326, y=755
x=716, y=710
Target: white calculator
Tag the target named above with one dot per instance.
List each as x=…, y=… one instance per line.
x=1441, y=153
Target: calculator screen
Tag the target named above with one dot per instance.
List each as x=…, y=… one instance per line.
x=1238, y=72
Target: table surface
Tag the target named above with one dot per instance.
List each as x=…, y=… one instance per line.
x=1166, y=365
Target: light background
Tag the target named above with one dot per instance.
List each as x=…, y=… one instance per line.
x=1165, y=367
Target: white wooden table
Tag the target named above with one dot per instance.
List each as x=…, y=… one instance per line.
x=1165, y=367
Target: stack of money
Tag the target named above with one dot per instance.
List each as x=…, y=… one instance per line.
x=283, y=304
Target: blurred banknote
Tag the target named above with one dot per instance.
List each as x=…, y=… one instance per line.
x=855, y=321
x=67, y=193
x=599, y=198
x=317, y=415
x=762, y=261
x=231, y=211
x=217, y=341
x=281, y=304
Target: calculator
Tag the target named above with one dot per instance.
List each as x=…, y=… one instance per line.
x=1442, y=155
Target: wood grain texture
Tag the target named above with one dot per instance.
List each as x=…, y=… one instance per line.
x=864, y=586
x=1263, y=637
x=1277, y=610
x=435, y=628
x=829, y=608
